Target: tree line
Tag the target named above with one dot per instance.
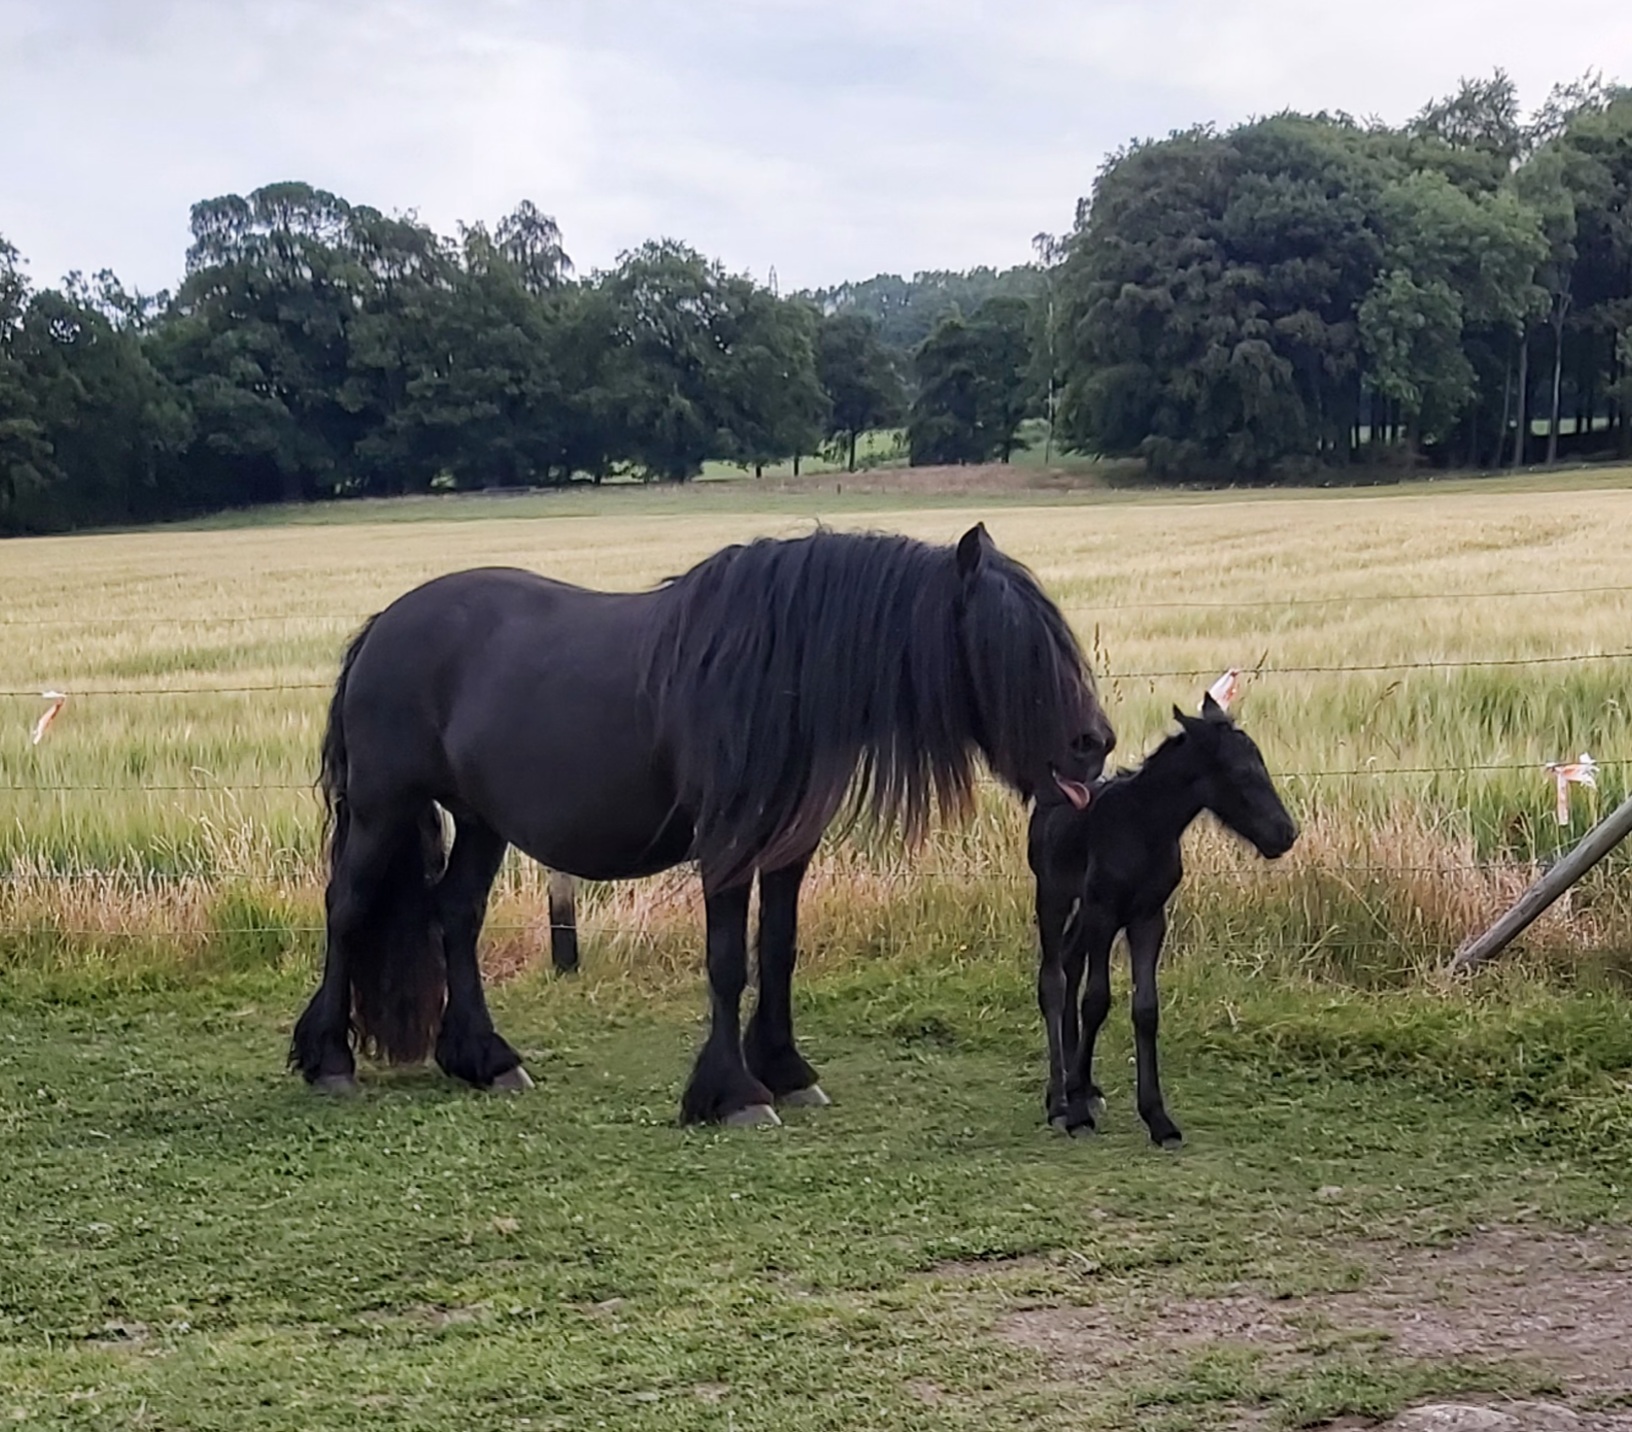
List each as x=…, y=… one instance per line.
x=317, y=348
x=1295, y=293
x=1306, y=291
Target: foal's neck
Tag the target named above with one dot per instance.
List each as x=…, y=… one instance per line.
x=1168, y=791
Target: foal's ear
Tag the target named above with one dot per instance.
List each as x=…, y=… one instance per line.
x=971, y=548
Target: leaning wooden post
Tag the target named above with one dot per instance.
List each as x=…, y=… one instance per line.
x=1594, y=846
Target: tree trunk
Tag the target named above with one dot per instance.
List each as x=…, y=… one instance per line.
x=1519, y=433
x=759, y=469
x=796, y=464
x=850, y=465
x=1561, y=306
x=1507, y=408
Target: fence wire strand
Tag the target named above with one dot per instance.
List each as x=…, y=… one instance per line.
x=1075, y=609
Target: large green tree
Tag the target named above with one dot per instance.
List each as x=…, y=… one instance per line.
x=859, y=377
x=27, y=468
x=976, y=383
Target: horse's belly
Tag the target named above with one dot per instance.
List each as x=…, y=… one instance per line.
x=602, y=849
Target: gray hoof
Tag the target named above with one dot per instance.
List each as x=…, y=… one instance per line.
x=811, y=1098
x=337, y=1084
x=513, y=1081
x=752, y=1116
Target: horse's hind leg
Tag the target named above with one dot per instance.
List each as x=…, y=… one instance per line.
x=772, y=1055
x=1145, y=947
x=468, y=1047
x=320, y=1047
x=721, y=1090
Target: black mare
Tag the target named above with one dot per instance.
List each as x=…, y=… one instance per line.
x=1113, y=866
x=726, y=717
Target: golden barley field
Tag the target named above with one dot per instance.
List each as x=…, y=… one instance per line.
x=1414, y=655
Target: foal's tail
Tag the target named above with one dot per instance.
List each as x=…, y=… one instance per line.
x=393, y=955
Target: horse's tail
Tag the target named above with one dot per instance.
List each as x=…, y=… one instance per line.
x=333, y=772
x=394, y=956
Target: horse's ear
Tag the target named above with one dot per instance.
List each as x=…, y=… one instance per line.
x=1210, y=709
x=971, y=548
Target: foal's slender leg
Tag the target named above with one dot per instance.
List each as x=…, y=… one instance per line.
x=721, y=1089
x=1053, y=993
x=1075, y=957
x=321, y=1044
x=1093, y=937
x=1145, y=947
x=772, y=1055
x=468, y=1047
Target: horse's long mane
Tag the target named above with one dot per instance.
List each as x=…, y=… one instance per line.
x=790, y=673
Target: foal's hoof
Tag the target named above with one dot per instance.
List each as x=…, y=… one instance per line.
x=342, y=1085
x=513, y=1081
x=1073, y=1128
x=808, y=1098
x=1164, y=1133
x=751, y=1116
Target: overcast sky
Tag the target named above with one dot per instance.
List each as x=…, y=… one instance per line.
x=830, y=139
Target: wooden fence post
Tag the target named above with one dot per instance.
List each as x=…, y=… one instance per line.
x=1594, y=846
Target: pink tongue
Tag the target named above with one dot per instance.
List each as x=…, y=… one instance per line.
x=1078, y=794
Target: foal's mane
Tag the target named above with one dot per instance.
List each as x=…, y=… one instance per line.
x=790, y=673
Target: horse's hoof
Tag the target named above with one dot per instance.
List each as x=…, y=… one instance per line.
x=752, y=1116
x=1174, y=1140
x=338, y=1084
x=513, y=1081
x=808, y=1098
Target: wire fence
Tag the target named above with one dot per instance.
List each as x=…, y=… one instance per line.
x=1075, y=609
x=206, y=784
x=211, y=786
x=1362, y=668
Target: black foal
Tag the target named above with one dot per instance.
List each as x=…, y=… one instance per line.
x=1113, y=866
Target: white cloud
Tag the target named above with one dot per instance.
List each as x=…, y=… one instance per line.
x=826, y=138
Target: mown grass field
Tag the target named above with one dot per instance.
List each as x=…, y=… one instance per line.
x=191, y=1241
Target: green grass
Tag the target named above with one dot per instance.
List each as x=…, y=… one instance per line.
x=191, y=1241
x=195, y=1242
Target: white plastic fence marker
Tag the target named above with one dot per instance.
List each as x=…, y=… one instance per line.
x=1582, y=772
x=1226, y=688
x=56, y=698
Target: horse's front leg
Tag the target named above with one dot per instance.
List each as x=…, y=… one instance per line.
x=1053, y=993
x=1092, y=936
x=721, y=1090
x=1145, y=947
x=773, y=1057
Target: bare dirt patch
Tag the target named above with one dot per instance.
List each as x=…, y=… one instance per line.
x=1558, y=1304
